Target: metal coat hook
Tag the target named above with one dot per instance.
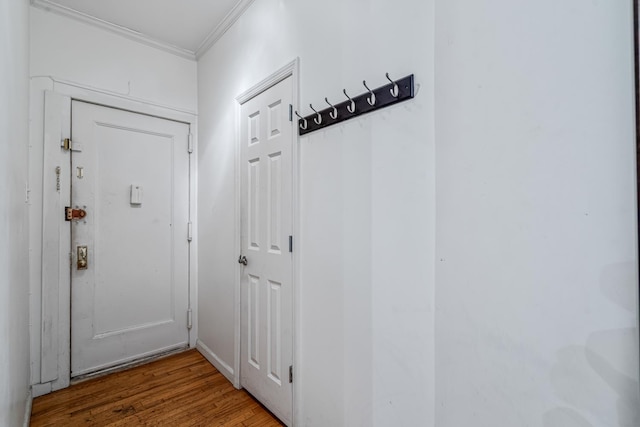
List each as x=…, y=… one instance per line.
x=395, y=91
x=390, y=93
x=318, y=119
x=333, y=114
x=372, y=99
x=352, y=107
x=303, y=125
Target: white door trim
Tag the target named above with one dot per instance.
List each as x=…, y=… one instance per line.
x=54, y=328
x=292, y=70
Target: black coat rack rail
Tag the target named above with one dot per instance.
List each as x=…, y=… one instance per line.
x=392, y=93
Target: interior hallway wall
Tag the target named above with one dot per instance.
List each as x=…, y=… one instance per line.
x=71, y=51
x=536, y=266
x=14, y=250
x=366, y=242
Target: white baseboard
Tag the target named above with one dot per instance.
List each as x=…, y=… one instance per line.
x=27, y=409
x=38, y=390
x=213, y=358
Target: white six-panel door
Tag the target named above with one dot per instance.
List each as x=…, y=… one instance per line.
x=130, y=173
x=266, y=294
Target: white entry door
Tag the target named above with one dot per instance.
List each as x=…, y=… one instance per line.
x=266, y=295
x=130, y=296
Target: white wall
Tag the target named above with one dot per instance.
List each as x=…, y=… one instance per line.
x=73, y=51
x=14, y=255
x=367, y=205
x=69, y=55
x=536, y=266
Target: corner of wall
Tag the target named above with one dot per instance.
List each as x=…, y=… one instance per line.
x=27, y=409
x=217, y=362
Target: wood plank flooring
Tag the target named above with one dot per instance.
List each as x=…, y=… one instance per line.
x=180, y=390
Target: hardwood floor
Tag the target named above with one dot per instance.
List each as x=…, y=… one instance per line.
x=181, y=390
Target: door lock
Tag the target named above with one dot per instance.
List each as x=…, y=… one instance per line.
x=83, y=258
x=73, y=214
x=242, y=260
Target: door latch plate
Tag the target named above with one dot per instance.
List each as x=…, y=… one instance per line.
x=74, y=214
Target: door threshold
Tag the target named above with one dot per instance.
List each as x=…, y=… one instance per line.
x=128, y=365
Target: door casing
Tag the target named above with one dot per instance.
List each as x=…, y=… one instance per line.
x=53, y=357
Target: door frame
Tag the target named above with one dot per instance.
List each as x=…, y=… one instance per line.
x=291, y=70
x=53, y=303
x=636, y=82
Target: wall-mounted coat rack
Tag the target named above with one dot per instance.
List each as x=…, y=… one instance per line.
x=392, y=93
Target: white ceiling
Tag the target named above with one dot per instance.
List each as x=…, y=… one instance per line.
x=184, y=27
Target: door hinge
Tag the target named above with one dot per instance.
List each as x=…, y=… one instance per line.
x=290, y=374
x=190, y=143
x=290, y=112
x=189, y=231
x=290, y=243
x=189, y=319
x=69, y=145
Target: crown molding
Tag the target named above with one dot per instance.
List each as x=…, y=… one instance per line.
x=123, y=31
x=222, y=27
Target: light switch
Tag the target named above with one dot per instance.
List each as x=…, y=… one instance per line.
x=136, y=194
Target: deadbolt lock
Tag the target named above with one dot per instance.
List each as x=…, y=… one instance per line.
x=83, y=258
